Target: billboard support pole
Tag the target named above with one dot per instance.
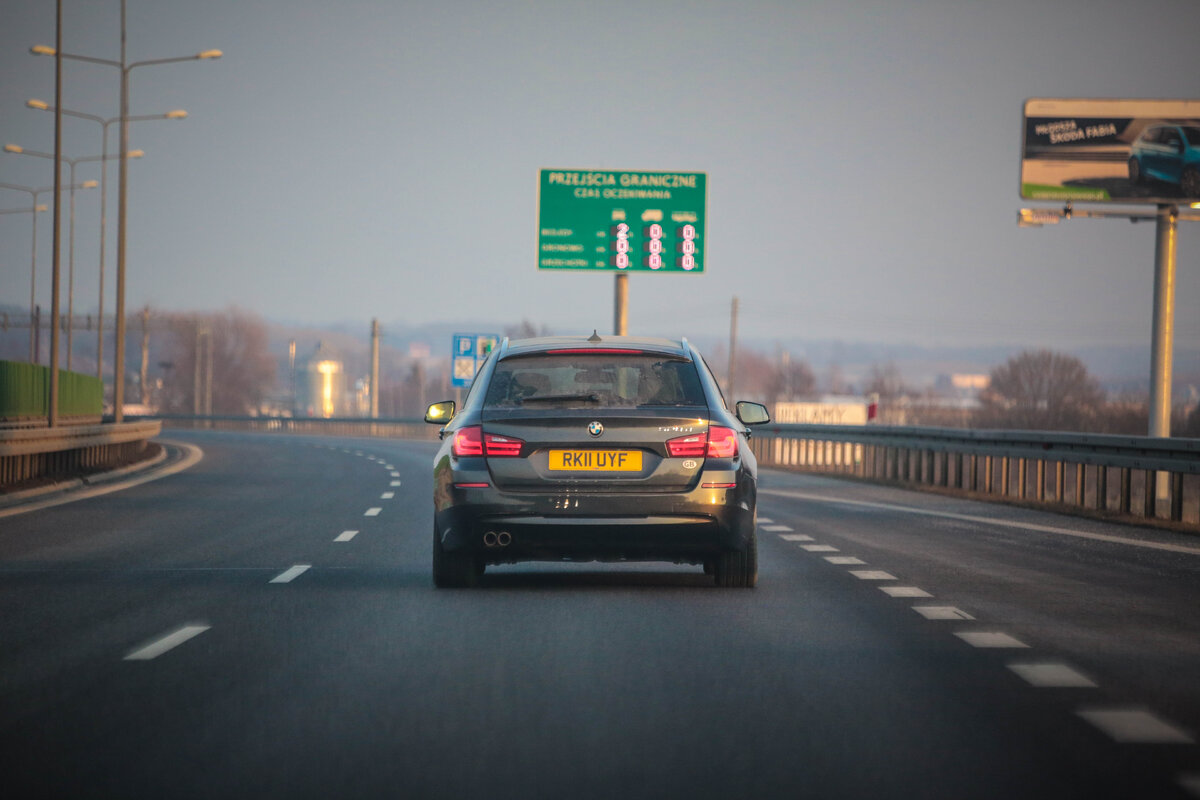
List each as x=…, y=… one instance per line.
x=1162, y=342
x=621, y=305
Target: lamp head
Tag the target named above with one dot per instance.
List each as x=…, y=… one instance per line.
x=89, y=184
x=41, y=105
x=178, y=113
x=42, y=50
x=13, y=148
x=135, y=154
x=210, y=54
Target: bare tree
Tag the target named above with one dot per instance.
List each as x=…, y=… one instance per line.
x=791, y=379
x=526, y=330
x=886, y=381
x=243, y=369
x=1041, y=390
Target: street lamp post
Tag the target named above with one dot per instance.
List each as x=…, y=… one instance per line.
x=125, y=68
x=104, y=123
x=33, y=193
x=12, y=148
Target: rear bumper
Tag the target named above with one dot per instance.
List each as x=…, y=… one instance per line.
x=687, y=526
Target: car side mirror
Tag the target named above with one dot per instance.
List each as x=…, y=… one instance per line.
x=752, y=413
x=440, y=413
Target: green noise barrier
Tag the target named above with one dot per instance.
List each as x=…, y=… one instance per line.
x=25, y=393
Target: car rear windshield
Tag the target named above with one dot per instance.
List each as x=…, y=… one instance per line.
x=635, y=380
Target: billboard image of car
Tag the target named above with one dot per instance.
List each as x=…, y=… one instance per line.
x=1125, y=151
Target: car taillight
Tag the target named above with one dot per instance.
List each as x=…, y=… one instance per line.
x=472, y=441
x=722, y=442
x=468, y=441
x=502, y=446
x=692, y=446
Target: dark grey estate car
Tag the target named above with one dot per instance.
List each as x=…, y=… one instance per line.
x=580, y=449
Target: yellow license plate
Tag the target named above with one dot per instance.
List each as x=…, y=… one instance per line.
x=596, y=460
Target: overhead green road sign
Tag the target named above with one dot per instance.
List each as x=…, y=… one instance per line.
x=621, y=221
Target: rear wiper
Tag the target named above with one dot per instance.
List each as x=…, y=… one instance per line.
x=551, y=398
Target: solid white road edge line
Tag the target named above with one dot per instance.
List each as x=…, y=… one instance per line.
x=192, y=456
x=1003, y=523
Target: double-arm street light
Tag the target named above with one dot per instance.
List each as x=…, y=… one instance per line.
x=41, y=105
x=125, y=68
x=33, y=195
x=12, y=148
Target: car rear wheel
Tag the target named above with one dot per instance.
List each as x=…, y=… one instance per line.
x=738, y=568
x=453, y=570
x=1135, y=171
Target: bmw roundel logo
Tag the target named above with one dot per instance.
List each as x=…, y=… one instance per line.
x=595, y=428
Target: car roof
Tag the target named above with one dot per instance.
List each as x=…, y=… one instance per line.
x=522, y=347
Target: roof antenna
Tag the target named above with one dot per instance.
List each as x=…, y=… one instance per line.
x=595, y=337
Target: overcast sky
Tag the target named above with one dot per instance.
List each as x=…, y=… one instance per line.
x=349, y=160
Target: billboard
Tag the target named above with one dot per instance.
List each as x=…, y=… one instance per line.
x=1122, y=151
x=621, y=220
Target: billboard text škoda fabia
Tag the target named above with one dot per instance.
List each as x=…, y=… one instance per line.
x=1123, y=151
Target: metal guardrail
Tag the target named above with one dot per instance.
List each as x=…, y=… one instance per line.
x=395, y=428
x=33, y=453
x=1070, y=471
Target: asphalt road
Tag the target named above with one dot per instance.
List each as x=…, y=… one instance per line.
x=263, y=624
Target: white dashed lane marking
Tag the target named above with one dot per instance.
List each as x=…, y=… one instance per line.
x=795, y=537
x=819, y=548
x=1051, y=676
x=388, y=466
x=941, y=612
x=395, y=474
x=387, y=495
x=990, y=639
x=372, y=512
x=847, y=561
x=765, y=521
x=1135, y=726
x=164, y=643
x=290, y=574
x=775, y=528
x=1098, y=537
x=346, y=536
x=394, y=483
x=904, y=591
x=872, y=575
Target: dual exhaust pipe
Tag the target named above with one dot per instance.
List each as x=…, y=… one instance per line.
x=501, y=539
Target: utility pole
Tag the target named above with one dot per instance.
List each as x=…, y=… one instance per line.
x=145, y=376
x=375, y=369
x=621, y=305
x=52, y=419
x=292, y=373
x=729, y=382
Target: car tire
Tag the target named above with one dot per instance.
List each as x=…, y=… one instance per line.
x=739, y=568
x=1189, y=183
x=453, y=570
x=1135, y=171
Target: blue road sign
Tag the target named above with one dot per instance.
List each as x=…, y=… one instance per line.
x=467, y=353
